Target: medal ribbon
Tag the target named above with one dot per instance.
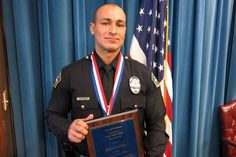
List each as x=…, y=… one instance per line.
x=97, y=83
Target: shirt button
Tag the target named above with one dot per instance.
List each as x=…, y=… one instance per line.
x=82, y=107
x=136, y=106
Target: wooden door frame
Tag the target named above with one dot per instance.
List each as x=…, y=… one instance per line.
x=7, y=132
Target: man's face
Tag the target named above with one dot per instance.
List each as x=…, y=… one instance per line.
x=109, y=29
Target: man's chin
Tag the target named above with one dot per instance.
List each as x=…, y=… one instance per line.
x=113, y=49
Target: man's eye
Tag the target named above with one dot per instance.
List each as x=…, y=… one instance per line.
x=120, y=25
x=104, y=23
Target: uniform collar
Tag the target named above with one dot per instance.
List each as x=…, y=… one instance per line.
x=100, y=63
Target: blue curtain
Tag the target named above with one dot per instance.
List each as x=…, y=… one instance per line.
x=204, y=67
x=42, y=36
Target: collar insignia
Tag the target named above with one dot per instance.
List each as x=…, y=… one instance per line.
x=154, y=80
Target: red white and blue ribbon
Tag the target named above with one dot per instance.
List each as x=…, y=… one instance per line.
x=97, y=83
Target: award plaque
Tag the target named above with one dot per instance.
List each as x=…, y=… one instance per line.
x=115, y=136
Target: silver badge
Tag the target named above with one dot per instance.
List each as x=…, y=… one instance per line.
x=135, y=84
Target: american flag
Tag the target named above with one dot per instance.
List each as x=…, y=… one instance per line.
x=150, y=46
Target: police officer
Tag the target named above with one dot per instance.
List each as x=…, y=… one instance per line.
x=86, y=90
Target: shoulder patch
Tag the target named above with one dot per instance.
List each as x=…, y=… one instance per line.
x=154, y=80
x=58, y=80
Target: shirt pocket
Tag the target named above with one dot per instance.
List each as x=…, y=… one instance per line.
x=135, y=102
x=82, y=108
x=132, y=102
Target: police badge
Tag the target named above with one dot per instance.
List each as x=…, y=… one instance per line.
x=135, y=84
x=58, y=80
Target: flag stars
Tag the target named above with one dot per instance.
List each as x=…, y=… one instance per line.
x=148, y=29
x=162, y=51
x=156, y=31
x=158, y=16
x=155, y=49
x=161, y=68
x=153, y=46
x=147, y=46
x=152, y=37
x=165, y=23
x=141, y=12
x=154, y=65
x=163, y=37
x=139, y=28
x=150, y=13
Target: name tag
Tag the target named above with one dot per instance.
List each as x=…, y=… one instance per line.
x=83, y=98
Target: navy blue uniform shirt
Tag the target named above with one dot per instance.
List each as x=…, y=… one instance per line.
x=74, y=93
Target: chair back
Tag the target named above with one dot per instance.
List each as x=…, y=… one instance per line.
x=227, y=114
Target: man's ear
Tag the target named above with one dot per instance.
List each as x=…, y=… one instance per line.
x=92, y=28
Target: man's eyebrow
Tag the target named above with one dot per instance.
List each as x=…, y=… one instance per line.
x=108, y=19
x=105, y=19
x=121, y=21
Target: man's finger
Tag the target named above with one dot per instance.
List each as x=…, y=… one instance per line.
x=81, y=129
x=89, y=117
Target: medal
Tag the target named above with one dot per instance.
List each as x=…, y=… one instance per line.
x=135, y=84
x=106, y=106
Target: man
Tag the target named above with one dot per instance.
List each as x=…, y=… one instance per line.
x=77, y=88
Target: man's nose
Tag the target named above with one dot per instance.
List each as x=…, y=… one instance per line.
x=113, y=29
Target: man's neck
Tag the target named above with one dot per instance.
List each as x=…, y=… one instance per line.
x=107, y=57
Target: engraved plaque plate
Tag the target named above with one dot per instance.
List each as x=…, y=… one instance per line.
x=115, y=136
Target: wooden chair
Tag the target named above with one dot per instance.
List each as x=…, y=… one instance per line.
x=227, y=115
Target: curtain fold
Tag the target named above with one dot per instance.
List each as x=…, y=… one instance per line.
x=231, y=86
x=201, y=34
x=182, y=49
x=42, y=36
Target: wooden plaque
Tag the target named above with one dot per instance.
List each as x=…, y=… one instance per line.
x=116, y=135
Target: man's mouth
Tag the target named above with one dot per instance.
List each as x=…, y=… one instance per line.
x=112, y=39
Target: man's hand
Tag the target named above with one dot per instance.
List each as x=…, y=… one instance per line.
x=78, y=129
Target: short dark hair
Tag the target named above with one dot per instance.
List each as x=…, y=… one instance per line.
x=95, y=13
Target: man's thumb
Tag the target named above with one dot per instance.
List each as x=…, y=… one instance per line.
x=90, y=116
